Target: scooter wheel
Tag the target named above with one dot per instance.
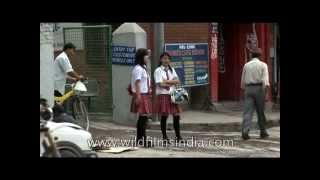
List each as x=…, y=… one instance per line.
x=68, y=149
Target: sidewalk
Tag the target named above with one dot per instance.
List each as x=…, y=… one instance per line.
x=216, y=121
x=228, y=118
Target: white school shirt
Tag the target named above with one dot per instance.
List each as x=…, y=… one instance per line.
x=139, y=73
x=255, y=71
x=62, y=66
x=160, y=76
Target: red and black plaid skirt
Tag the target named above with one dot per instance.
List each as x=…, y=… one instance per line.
x=165, y=106
x=144, y=107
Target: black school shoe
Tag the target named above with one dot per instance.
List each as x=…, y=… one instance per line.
x=180, y=140
x=148, y=144
x=145, y=144
x=166, y=142
x=264, y=134
x=245, y=136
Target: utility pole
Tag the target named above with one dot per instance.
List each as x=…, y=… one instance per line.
x=158, y=47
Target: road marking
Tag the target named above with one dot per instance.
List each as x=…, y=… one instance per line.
x=265, y=141
x=274, y=149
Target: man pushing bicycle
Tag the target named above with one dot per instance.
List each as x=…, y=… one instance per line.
x=63, y=70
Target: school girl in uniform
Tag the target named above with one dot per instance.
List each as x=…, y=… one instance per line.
x=166, y=79
x=141, y=94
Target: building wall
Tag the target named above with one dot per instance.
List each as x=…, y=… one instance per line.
x=229, y=85
x=186, y=32
x=235, y=39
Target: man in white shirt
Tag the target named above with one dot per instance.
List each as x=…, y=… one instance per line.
x=63, y=69
x=254, y=81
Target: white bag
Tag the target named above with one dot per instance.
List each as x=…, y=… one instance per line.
x=179, y=95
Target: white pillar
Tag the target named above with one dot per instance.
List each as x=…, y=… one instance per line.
x=46, y=62
x=131, y=35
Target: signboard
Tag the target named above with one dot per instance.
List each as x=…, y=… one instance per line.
x=123, y=55
x=190, y=61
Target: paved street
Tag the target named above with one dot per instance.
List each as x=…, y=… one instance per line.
x=199, y=144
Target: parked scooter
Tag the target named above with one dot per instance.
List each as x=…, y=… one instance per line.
x=60, y=137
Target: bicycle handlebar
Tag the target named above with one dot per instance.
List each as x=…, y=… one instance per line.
x=83, y=79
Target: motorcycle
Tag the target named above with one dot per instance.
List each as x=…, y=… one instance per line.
x=62, y=139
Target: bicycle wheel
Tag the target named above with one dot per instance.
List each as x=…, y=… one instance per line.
x=80, y=113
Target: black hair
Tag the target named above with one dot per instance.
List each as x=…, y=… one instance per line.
x=139, y=57
x=161, y=56
x=44, y=111
x=43, y=102
x=57, y=110
x=256, y=55
x=69, y=46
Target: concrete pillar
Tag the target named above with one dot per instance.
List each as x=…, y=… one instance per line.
x=132, y=35
x=46, y=63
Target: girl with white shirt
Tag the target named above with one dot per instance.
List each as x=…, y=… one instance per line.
x=141, y=94
x=166, y=79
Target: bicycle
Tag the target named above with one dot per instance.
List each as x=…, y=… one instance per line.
x=79, y=109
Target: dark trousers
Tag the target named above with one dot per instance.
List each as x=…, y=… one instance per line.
x=254, y=100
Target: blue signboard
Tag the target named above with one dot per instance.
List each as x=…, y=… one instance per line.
x=123, y=55
x=190, y=61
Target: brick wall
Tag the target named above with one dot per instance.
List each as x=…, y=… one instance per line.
x=186, y=32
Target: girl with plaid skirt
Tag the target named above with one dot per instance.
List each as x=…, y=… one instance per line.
x=141, y=94
x=166, y=79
